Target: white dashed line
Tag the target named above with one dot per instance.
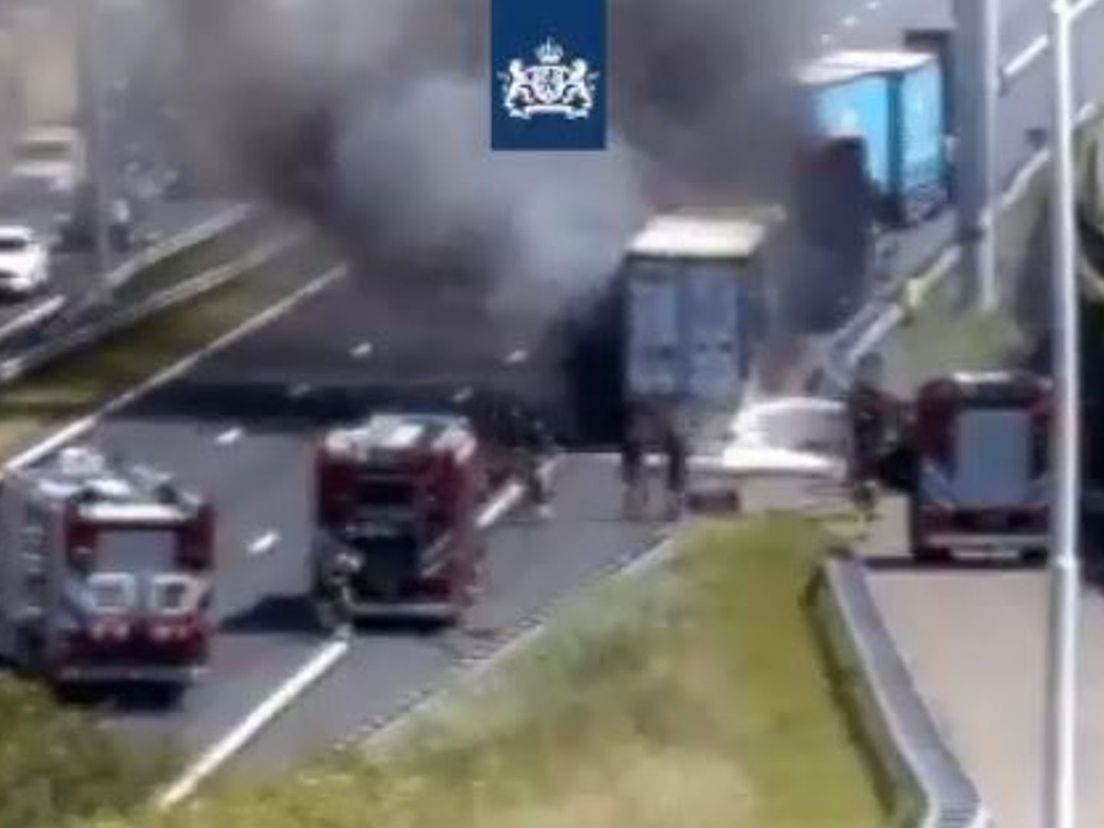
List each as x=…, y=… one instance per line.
x=463, y=395
x=264, y=543
x=850, y=21
x=364, y=349
x=230, y=436
x=517, y=357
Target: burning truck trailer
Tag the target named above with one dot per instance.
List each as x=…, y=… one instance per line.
x=681, y=327
x=105, y=574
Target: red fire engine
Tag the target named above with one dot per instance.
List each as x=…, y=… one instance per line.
x=105, y=573
x=396, y=519
x=981, y=448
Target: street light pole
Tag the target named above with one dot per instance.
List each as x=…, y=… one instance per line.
x=976, y=90
x=91, y=97
x=1059, y=778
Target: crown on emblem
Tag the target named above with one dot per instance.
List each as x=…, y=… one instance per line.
x=549, y=52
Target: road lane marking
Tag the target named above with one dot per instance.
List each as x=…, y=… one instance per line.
x=32, y=316
x=264, y=543
x=181, y=367
x=517, y=356
x=230, y=436
x=364, y=349
x=322, y=662
x=463, y=395
x=850, y=21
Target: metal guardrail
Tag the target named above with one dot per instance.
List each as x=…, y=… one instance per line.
x=951, y=800
x=154, y=254
x=65, y=344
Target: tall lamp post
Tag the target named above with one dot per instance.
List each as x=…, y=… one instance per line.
x=91, y=102
x=1059, y=778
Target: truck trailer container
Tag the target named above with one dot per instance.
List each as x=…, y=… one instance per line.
x=894, y=101
x=681, y=322
x=917, y=128
x=852, y=103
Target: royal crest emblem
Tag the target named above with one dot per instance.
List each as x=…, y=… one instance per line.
x=549, y=87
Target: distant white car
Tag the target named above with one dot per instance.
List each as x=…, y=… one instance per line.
x=24, y=262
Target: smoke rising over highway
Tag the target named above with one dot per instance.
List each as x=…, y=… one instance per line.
x=389, y=98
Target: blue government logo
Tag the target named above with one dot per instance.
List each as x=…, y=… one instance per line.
x=549, y=87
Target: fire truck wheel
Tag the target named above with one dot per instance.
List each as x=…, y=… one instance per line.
x=166, y=695
x=931, y=555
x=27, y=658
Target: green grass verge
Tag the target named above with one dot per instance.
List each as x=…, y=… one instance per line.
x=56, y=765
x=896, y=789
x=694, y=695
x=172, y=270
x=941, y=336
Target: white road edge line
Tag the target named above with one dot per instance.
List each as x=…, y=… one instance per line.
x=80, y=427
x=32, y=316
x=324, y=659
x=264, y=543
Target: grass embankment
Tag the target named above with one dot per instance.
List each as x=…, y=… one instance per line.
x=58, y=764
x=943, y=336
x=186, y=263
x=694, y=695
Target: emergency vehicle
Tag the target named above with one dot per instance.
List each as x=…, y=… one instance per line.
x=981, y=460
x=105, y=573
x=396, y=526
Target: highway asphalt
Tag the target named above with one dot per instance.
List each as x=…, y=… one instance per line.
x=239, y=426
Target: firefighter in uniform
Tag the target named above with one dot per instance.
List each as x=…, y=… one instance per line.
x=632, y=468
x=677, y=451
x=870, y=411
x=673, y=443
x=533, y=445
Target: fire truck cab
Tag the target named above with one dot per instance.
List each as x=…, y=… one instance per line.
x=396, y=526
x=981, y=461
x=105, y=573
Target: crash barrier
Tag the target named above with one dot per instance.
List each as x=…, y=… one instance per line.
x=200, y=233
x=875, y=321
x=65, y=344
x=917, y=776
x=60, y=308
